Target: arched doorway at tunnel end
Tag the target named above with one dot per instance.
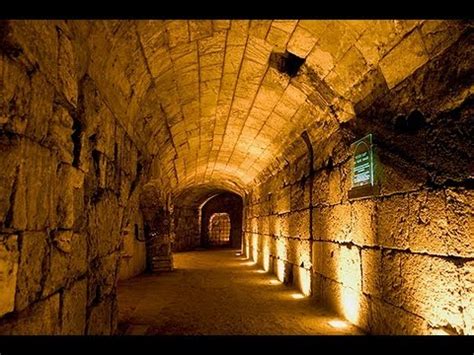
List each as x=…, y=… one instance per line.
x=213, y=221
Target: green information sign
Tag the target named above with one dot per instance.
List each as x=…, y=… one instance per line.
x=363, y=176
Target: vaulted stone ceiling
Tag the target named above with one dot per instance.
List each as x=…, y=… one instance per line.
x=203, y=97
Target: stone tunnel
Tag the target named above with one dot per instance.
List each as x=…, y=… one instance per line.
x=156, y=172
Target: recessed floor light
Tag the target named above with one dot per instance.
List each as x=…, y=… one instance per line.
x=297, y=296
x=337, y=324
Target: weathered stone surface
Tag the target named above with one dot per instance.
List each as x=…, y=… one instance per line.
x=438, y=35
x=100, y=319
x=74, y=301
x=371, y=272
x=364, y=223
x=103, y=274
x=8, y=272
x=70, y=207
x=103, y=236
x=467, y=278
x=9, y=170
x=332, y=223
x=32, y=268
x=14, y=97
x=391, y=277
x=397, y=65
x=42, y=318
x=58, y=273
x=436, y=299
x=59, y=134
x=393, y=222
x=389, y=320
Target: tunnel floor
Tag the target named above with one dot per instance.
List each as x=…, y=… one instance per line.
x=215, y=292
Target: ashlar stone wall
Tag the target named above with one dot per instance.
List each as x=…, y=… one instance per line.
x=69, y=183
x=400, y=262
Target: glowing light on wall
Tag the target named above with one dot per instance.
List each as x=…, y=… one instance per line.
x=247, y=245
x=281, y=254
x=304, y=281
x=350, y=276
x=255, y=247
x=350, y=304
x=266, y=255
x=439, y=331
x=303, y=276
x=280, y=270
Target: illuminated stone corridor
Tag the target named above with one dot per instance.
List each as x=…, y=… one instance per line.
x=336, y=155
x=219, y=293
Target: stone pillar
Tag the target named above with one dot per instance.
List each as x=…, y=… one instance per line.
x=160, y=243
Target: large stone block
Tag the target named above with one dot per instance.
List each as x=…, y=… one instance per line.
x=299, y=253
x=299, y=224
x=335, y=192
x=67, y=74
x=283, y=200
x=78, y=258
x=404, y=59
x=321, y=188
x=15, y=97
x=349, y=267
x=11, y=153
x=364, y=222
x=371, y=272
x=432, y=289
x=59, y=134
x=460, y=216
x=299, y=197
x=326, y=256
x=42, y=318
x=99, y=321
x=58, y=271
x=387, y=319
x=467, y=279
x=391, y=277
x=332, y=223
x=439, y=34
x=396, y=175
x=8, y=272
x=41, y=107
x=103, y=277
x=429, y=231
x=103, y=235
x=73, y=312
x=35, y=201
x=393, y=222
x=71, y=196
x=39, y=43
x=301, y=42
x=32, y=268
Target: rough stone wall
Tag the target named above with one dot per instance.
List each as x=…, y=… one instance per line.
x=401, y=262
x=186, y=222
x=69, y=181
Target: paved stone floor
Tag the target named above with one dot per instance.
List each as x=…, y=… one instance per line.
x=217, y=293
